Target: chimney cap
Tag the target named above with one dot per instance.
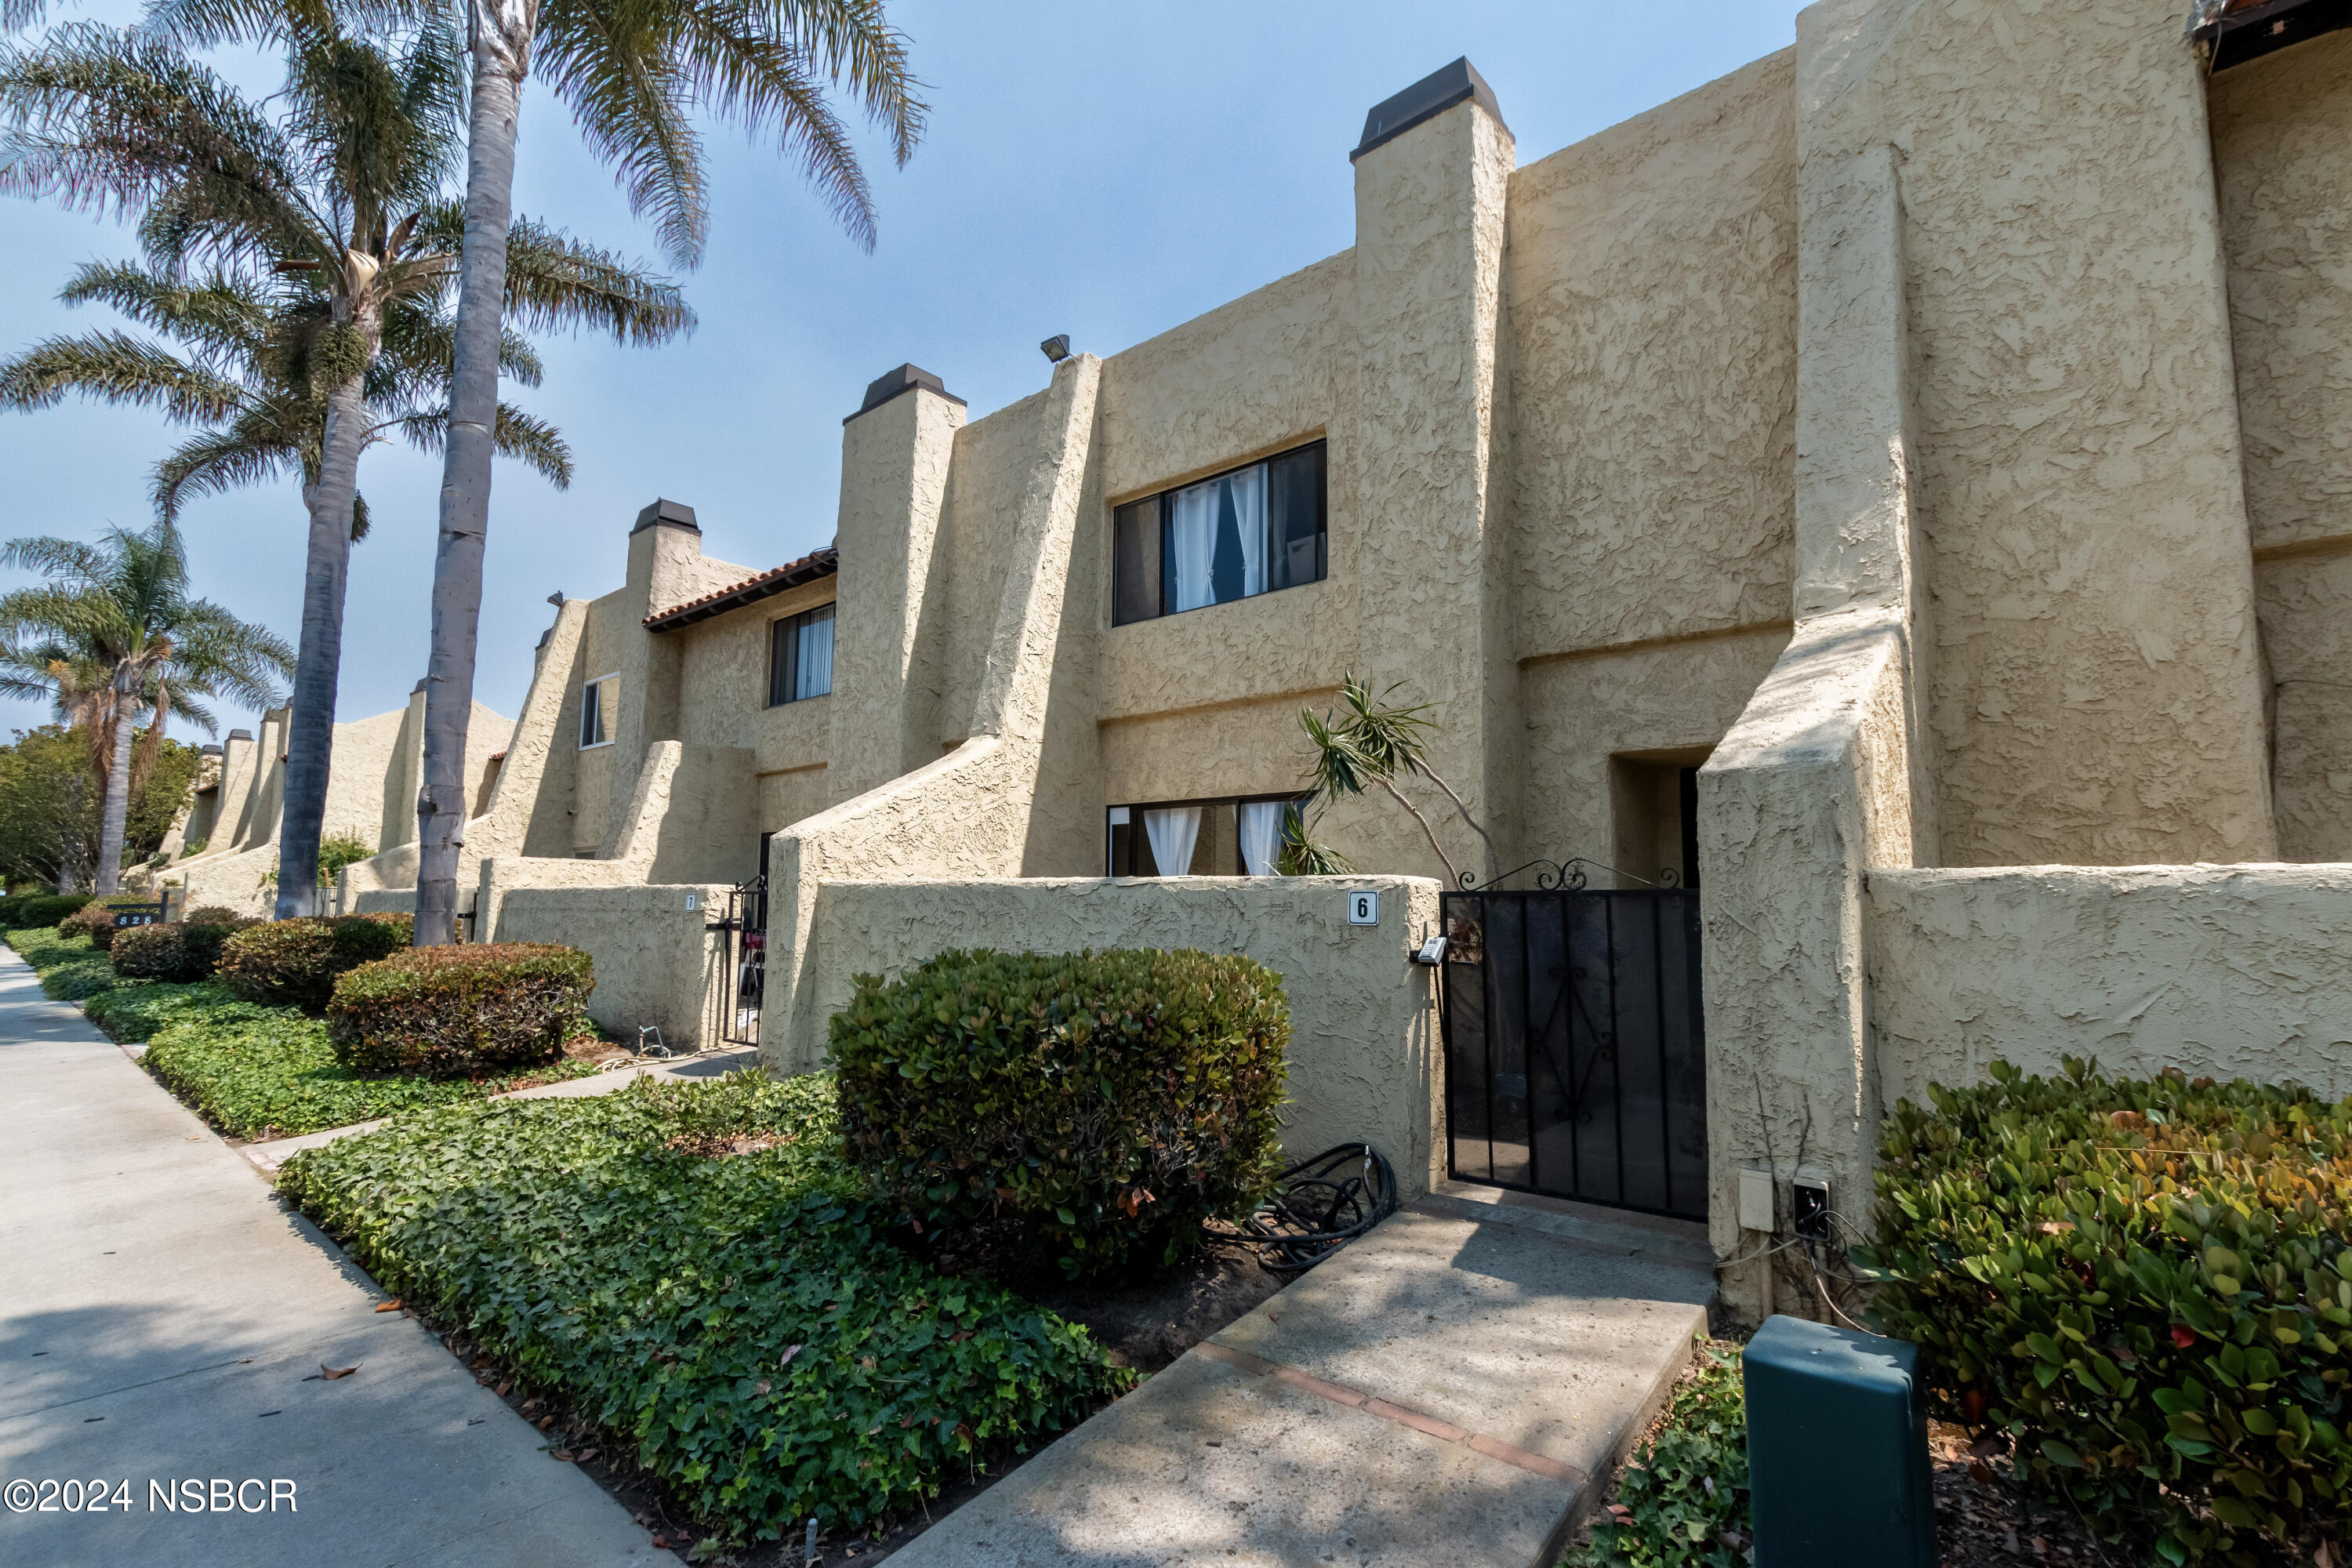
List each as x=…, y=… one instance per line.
x=208, y=751
x=906, y=378
x=676, y=514
x=1430, y=97
x=240, y=735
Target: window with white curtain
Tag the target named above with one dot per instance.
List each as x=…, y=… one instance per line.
x=799, y=657
x=1234, y=535
x=1231, y=837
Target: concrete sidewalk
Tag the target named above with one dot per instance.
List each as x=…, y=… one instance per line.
x=1447, y=1390
x=163, y=1319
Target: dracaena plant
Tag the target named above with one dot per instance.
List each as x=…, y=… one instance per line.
x=301, y=253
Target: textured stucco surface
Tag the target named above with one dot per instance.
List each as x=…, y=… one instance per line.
x=2096, y=691
x=1363, y=1053
x=2279, y=130
x=656, y=962
x=2231, y=971
x=1652, y=315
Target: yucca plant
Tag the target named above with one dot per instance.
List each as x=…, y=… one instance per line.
x=301, y=253
x=1371, y=742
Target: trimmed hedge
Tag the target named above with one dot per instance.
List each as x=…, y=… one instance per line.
x=181, y=952
x=39, y=910
x=296, y=962
x=2148, y=1284
x=734, y=1324
x=460, y=1008
x=95, y=920
x=1106, y=1103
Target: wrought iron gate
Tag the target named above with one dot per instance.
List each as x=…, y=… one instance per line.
x=1575, y=1046
x=742, y=962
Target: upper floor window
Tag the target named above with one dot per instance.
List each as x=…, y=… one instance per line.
x=800, y=656
x=1247, y=532
x=592, y=715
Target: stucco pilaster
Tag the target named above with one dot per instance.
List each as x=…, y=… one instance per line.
x=1433, y=607
x=894, y=477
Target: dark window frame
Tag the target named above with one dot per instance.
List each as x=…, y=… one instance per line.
x=784, y=653
x=1143, y=575
x=1121, y=856
x=592, y=713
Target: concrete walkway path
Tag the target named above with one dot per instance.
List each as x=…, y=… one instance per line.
x=266, y=1157
x=162, y=1324
x=1446, y=1391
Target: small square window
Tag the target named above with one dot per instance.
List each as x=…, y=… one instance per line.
x=594, y=717
x=799, y=657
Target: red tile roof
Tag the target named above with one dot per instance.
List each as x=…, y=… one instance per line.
x=792, y=575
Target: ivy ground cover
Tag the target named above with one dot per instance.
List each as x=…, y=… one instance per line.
x=252, y=1072
x=691, y=1267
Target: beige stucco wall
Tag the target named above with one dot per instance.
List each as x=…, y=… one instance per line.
x=2279, y=130
x=2231, y=971
x=1653, y=313
x=2096, y=692
x=1364, y=1053
x=656, y=963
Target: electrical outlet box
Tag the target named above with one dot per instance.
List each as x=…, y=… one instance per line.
x=1755, y=1199
x=1808, y=1205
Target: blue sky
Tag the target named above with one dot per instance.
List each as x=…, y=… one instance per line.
x=1103, y=170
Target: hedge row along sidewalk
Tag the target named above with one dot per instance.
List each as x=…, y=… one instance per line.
x=250, y=1070
x=690, y=1266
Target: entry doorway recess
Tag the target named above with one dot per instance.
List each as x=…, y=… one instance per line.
x=1576, y=1044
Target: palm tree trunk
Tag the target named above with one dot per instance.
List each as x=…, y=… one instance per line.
x=310, y=741
x=500, y=40
x=117, y=783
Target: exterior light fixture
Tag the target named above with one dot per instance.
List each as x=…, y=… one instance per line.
x=1057, y=347
x=556, y=598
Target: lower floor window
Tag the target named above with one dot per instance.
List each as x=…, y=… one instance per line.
x=1231, y=837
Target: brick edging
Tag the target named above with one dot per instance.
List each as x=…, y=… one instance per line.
x=1355, y=1399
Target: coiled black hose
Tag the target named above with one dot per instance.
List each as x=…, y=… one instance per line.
x=1322, y=1204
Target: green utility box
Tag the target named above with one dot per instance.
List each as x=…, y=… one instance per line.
x=1837, y=1450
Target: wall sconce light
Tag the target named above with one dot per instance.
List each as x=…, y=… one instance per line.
x=1057, y=347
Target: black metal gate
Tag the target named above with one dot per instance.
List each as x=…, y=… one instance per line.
x=742, y=962
x=1575, y=1046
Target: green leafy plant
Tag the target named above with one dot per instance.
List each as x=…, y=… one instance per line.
x=46, y=909
x=135, y=1012
x=70, y=969
x=183, y=951
x=96, y=922
x=256, y=1072
x=1683, y=1501
x=2147, y=1284
x=1371, y=741
x=1106, y=1103
x=736, y=1324
x=460, y=1009
x=296, y=962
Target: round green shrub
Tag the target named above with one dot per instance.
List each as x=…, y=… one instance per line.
x=2148, y=1284
x=183, y=951
x=43, y=910
x=95, y=920
x=460, y=1008
x=295, y=963
x=1106, y=1103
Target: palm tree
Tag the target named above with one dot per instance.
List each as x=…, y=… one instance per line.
x=633, y=72
x=122, y=607
x=326, y=319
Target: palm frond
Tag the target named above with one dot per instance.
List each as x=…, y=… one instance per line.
x=224, y=315
x=555, y=281
x=113, y=367
x=612, y=64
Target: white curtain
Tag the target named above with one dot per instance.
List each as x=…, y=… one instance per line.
x=814, y=677
x=1192, y=516
x=1261, y=835
x=1249, y=512
x=1173, y=830
x=1193, y=539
